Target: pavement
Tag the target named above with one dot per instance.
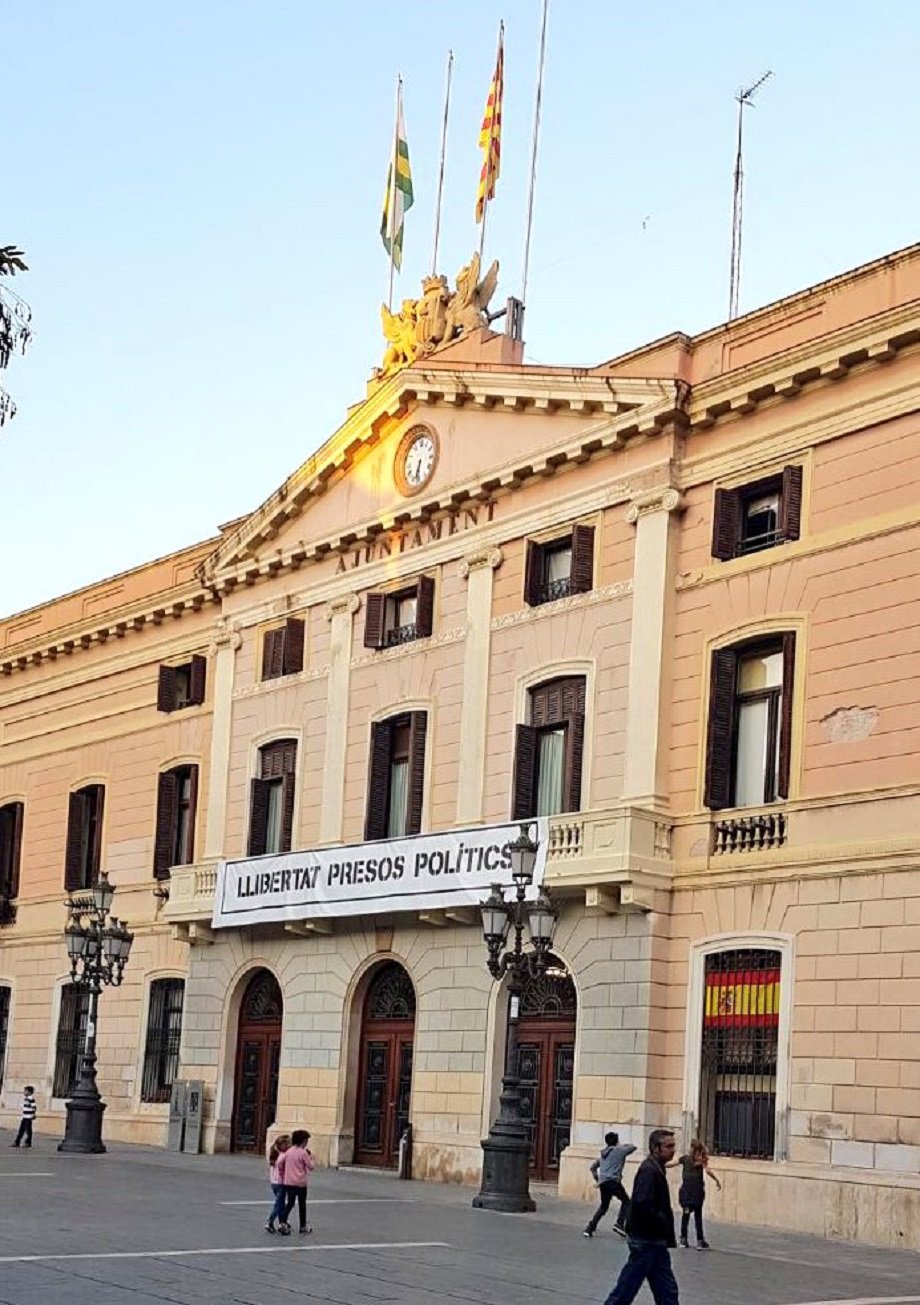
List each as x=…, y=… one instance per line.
x=139, y=1226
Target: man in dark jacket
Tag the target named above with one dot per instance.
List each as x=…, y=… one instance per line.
x=650, y=1225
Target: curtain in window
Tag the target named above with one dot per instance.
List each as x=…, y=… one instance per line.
x=273, y=830
x=753, y=719
x=399, y=794
x=550, y=767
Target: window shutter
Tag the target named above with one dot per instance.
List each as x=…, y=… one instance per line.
x=375, y=617
x=790, y=520
x=192, y=812
x=718, y=790
x=785, y=722
x=288, y=781
x=525, y=762
x=424, y=607
x=97, y=797
x=199, y=667
x=574, y=749
x=166, y=689
x=533, y=573
x=582, y=574
x=76, y=814
x=292, y=640
x=418, y=729
x=17, y=812
x=726, y=524
x=378, y=780
x=167, y=818
x=272, y=654
x=258, y=816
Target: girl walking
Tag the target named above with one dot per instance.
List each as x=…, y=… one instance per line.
x=279, y=1146
x=692, y=1194
x=294, y=1168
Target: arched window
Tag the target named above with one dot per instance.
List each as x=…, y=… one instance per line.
x=391, y=995
x=548, y=750
x=396, y=782
x=164, y=1034
x=271, y=816
x=71, y=1038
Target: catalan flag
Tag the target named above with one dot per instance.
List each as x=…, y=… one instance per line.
x=399, y=196
x=490, y=134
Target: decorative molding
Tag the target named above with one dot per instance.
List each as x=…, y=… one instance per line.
x=622, y=589
x=342, y=605
x=413, y=648
x=280, y=682
x=227, y=634
x=483, y=557
x=663, y=498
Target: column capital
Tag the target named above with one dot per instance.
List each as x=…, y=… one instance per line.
x=663, y=498
x=227, y=634
x=483, y=557
x=343, y=605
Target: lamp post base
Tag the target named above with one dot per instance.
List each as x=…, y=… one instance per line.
x=85, y=1108
x=505, y=1175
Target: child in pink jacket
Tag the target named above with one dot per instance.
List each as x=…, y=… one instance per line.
x=294, y=1168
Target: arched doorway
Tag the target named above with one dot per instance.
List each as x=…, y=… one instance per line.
x=385, y=1066
x=546, y=1065
x=258, y=1056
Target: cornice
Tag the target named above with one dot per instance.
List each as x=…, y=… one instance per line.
x=524, y=615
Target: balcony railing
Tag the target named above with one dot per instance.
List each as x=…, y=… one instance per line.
x=401, y=634
x=749, y=833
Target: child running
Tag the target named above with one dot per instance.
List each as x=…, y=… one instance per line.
x=294, y=1167
x=692, y=1194
x=279, y=1146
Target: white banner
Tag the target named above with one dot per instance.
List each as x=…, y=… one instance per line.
x=423, y=873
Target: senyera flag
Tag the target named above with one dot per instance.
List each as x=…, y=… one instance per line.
x=399, y=196
x=490, y=133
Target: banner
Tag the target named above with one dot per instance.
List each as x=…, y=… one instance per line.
x=423, y=873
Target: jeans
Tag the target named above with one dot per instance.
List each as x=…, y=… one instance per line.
x=610, y=1188
x=298, y=1194
x=697, y=1212
x=277, y=1210
x=647, y=1260
x=25, y=1132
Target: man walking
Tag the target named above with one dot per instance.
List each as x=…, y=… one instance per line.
x=650, y=1226
x=608, y=1174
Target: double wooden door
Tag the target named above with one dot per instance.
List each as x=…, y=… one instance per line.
x=258, y=1059
x=385, y=1070
x=546, y=1069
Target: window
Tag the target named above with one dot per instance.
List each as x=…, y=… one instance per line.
x=750, y=723
x=282, y=650
x=548, y=751
x=397, y=776
x=181, y=686
x=739, y=1053
x=758, y=515
x=84, y=838
x=561, y=567
x=11, y=816
x=71, y=1038
x=177, y=799
x=164, y=1033
x=4, y=1027
x=271, y=816
x=400, y=617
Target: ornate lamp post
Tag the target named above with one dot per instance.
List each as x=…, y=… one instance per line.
x=506, y=1151
x=98, y=945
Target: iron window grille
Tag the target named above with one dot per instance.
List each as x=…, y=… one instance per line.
x=71, y=1038
x=4, y=1027
x=164, y=1033
x=758, y=515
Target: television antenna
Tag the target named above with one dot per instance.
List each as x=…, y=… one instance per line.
x=745, y=100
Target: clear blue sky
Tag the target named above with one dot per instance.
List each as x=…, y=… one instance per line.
x=197, y=184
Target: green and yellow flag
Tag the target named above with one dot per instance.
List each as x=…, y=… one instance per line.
x=398, y=196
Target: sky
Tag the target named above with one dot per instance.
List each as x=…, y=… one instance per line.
x=197, y=185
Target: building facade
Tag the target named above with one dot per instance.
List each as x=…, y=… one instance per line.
x=669, y=605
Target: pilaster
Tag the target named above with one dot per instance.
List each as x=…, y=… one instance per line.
x=223, y=650
x=478, y=570
x=340, y=613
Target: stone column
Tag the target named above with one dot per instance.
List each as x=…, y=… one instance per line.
x=477, y=569
x=339, y=613
x=653, y=513
x=223, y=650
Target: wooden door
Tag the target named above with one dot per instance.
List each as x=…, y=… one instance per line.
x=258, y=1059
x=385, y=1069
x=546, y=1067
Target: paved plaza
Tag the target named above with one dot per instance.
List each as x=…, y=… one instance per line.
x=142, y=1227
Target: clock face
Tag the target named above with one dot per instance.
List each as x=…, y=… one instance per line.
x=416, y=459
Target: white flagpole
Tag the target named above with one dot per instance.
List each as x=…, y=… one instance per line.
x=437, y=211
x=485, y=197
x=392, y=201
x=533, y=155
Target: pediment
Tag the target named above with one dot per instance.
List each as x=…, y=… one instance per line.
x=493, y=426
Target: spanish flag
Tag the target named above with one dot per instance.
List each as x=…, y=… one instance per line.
x=490, y=133
x=742, y=998
x=399, y=196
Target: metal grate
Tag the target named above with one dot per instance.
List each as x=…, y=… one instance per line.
x=71, y=1038
x=401, y=634
x=550, y=591
x=738, y=1062
x=164, y=1034
x=4, y=1027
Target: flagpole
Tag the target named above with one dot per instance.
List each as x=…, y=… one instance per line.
x=392, y=214
x=533, y=155
x=485, y=198
x=437, y=210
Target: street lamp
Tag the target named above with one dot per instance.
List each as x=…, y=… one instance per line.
x=506, y=1151
x=98, y=945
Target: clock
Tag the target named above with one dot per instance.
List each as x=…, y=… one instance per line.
x=416, y=459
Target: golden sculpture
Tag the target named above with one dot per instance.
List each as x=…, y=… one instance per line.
x=439, y=316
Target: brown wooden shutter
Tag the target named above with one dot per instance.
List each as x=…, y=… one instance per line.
x=97, y=798
x=192, y=812
x=166, y=689
x=525, y=770
x=424, y=607
x=258, y=816
x=76, y=815
x=574, y=750
x=785, y=719
x=273, y=654
x=418, y=729
x=533, y=573
x=196, y=680
x=719, y=741
x=292, y=639
x=288, y=785
x=17, y=813
x=167, y=818
x=375, y=619
x=378, y=779
x=726, y=524
x=582, y=574
x=790, y=508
